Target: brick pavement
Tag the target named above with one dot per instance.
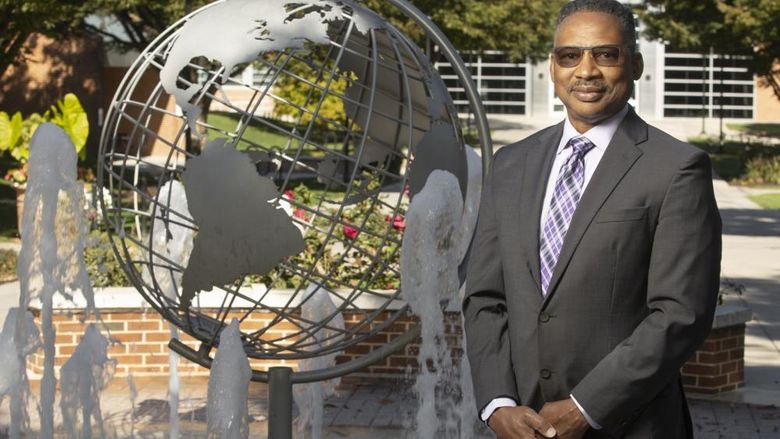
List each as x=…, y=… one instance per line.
x=371, y=409
x=388, y=403
x=724, y=420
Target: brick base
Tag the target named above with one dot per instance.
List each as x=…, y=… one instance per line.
x=718, y=366
x=142, y=338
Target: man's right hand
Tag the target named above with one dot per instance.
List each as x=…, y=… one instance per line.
x=519, y=423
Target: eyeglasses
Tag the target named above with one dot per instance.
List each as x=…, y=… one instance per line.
x=605, y=56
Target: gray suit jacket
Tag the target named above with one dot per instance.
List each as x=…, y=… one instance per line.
x=633, y=293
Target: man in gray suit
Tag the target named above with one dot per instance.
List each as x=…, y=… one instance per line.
x=594, y=270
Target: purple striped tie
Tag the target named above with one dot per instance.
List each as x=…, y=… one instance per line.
x=568, y=190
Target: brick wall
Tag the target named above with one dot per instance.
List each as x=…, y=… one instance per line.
x=718, y=366
x=143, y=337
x=405, y=360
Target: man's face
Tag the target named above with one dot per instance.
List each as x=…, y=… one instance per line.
x=591, y=92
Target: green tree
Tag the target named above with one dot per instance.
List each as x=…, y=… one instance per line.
x=133, y=24
x=301, y=95
x=757, y=24
x=124, y=24
x=729, y=26
x=21, y=18
x=523, y=29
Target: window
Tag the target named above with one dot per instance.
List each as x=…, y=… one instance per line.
x=502, y=85
x=708, y=85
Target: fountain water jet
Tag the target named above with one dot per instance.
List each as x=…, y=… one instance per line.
x=228, y=394
x=174, y=242
x=12, y=375
x=133, y=396
x=440, y=225
x=310, y=397
x=429, y=262
x=51, y=258
x=173, y=388
x=82, y=378
x=464, y=408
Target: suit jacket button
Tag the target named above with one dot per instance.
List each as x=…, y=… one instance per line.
x=544, y=317
x=545, y=374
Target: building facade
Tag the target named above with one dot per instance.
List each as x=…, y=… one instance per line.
x=674, y=84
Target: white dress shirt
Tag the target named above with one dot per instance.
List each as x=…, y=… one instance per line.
x=600, y=136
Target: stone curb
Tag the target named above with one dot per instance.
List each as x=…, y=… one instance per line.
x=731, y=315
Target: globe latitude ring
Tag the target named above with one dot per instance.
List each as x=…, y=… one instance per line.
x=117, y=166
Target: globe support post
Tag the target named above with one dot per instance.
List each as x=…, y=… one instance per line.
x=279, y=403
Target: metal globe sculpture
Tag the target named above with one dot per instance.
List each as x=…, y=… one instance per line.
x=262, y=192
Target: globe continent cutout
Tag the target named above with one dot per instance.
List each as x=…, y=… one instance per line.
x=240, y=231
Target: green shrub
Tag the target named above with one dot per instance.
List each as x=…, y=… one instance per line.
x=336, y=259
x=745, y=162
x=763, y=170
x=7, y=265
x=102, y=266
x=16, y=133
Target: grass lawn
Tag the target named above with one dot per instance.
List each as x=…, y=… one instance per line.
x=259, y=134
x=767, y=201
x=757, y=129
x=256, y=133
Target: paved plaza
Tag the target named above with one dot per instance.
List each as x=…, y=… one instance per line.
x=368, y=409
x=384, y=409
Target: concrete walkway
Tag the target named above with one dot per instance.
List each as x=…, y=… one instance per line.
x=751, y=259
x=9, y=291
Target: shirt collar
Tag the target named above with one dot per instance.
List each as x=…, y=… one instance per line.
x=600, y=135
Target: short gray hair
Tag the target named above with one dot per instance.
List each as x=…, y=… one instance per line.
x=612, y=7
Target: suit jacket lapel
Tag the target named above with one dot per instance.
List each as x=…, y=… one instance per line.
x=617, y=160
x=538, y=164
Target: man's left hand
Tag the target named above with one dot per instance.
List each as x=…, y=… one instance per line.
x=566, y=418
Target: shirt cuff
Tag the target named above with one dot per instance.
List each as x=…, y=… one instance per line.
x=495, y=404
x=595, y=425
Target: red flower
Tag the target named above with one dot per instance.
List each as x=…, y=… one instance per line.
x=290, y=195
x=399, y=223
x=299, y=213
x=350, y=232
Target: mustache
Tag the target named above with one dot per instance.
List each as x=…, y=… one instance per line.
x=598, y=85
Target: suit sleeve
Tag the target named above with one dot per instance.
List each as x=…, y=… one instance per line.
x=485, y=310
x=682, y=287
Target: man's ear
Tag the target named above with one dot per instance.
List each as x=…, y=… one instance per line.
x=552, y=69
x=638, y=64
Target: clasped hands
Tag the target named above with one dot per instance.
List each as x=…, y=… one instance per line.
x=558, y=419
